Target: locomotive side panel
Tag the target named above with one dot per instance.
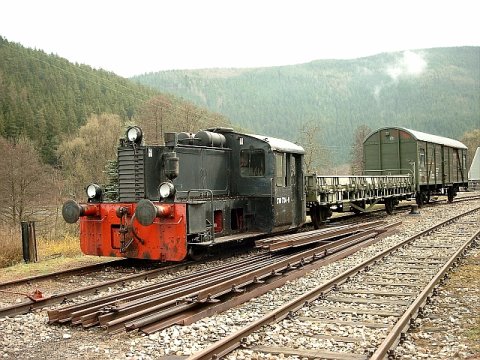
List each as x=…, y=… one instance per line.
x=202, y=168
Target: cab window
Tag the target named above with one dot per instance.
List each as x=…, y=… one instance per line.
x=252, y=162
x=279, y=171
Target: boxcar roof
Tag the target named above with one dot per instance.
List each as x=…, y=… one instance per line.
x=280, y=144
x=421, y=136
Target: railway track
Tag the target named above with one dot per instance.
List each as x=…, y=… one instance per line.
x=68, y=279
x=34, y=299
x=188, y=298
x=363, y=312
x=64, y=280
x=30, y=334
x=82, y=270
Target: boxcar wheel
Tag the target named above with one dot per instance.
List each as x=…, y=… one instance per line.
x=450, y=195
x=360, y=204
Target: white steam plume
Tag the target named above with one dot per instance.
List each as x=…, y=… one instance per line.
x=411, y=64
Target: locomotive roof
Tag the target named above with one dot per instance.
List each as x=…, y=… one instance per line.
x=280, y=144
x=421, y=136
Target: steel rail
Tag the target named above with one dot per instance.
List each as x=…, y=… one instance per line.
x=72, y=271
x=403, y=323
x=78, y=310
x=231, y=342
x=263, y=243
x=212, y=292
x=156, y=317
x=29, y=305
x=163, y=305
x=263, y=287
x=163, y=300
x=330, y=235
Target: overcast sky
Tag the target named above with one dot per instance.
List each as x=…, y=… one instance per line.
x=134, y=37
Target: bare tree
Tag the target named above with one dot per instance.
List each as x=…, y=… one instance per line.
x=162, y=114
x=317, y=155
x=155, y=118
x=25, y=182
x=356, y=152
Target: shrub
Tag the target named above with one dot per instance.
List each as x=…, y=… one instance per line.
x=10, y=245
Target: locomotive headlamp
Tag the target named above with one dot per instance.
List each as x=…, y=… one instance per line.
x=166, y=190
x=94, y=192
x=134, y=134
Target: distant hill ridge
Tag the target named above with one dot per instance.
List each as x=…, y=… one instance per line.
x=432, y=90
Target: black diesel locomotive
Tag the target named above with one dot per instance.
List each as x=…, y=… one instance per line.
x=196, y=190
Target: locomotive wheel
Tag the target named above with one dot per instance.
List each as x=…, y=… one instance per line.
x=318, y=215
x=389, y=206
x=197, y=253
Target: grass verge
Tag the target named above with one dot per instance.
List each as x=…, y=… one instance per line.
x=11, y=247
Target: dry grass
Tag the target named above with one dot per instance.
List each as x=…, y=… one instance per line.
x=67, y=246
x=10, y=246
x=466, y=281
x=47, y=247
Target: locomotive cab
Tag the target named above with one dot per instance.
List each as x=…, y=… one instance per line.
x=196, y=190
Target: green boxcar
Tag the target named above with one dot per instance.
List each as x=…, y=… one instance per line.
x=437, y=163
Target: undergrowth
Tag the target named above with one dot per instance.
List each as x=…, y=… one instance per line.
x=10, y=246
x=65, y=245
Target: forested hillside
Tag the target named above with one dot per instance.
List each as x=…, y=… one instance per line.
x=431, y=90
x=44, y=96
x=46, y=99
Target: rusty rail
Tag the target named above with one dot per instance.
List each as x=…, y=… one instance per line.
x=73, y=271
x=29, y=305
